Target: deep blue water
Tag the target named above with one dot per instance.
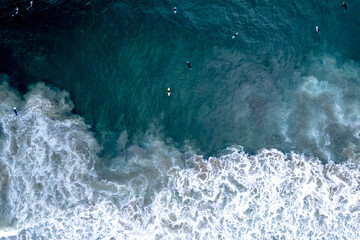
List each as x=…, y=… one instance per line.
x=278, y=85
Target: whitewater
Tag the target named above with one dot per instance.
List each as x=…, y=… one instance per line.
x=53, y=184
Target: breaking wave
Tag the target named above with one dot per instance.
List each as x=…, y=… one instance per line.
x=54, y=185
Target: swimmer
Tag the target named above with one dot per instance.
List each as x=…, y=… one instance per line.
x=344, y=4
x=31, y=3
x=15, y=111
x=188, y=63
x=235, y=35
x=168, y=91
x=16, y=12
x=317, y=29
x=174, y=10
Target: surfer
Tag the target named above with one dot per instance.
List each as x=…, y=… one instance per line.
x=31, y=3
x=188, y=63
x=15, y=111
x=174, y=10
x=16, y=12
x=317, y=29
x=235, y=35
x=168, y=91
x=344, y=4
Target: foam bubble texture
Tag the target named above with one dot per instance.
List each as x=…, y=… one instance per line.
x=49, y=187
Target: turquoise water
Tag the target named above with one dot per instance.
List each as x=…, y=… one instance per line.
x=89, y=78
x=118, y=58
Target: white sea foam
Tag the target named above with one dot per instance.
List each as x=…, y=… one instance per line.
x=50, y=188
x=323, y=116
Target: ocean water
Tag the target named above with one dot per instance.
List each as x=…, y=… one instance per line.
x=260, y=140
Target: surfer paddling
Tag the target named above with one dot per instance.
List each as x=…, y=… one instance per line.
x=344, y=5
x=174, y=10
x=317, y=29
x=15, y=111
x=168, y=92
x=235, y=35
x=31, y=3
x=188, y=63
x=16, y=12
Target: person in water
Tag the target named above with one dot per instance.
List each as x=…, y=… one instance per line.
x=15, y=111
x=16, y=12
x=344, y=4
x=317, y=29
x=235, y=35
x=188, y=63
x=174, y=10
x=31, y=3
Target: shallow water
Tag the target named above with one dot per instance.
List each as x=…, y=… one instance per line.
x=260, y=140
